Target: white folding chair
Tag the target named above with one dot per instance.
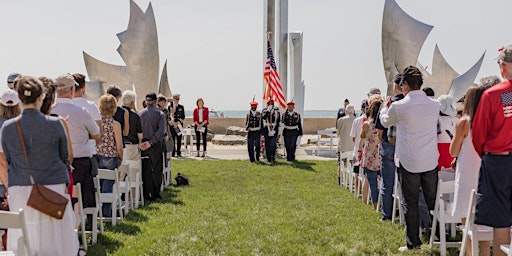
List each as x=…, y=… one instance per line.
x=347, y=170
x=16, y=220
x=114, y=197
x=95, y=212
x=506, y=248
x=442, y=214
x=80, y=217
x=397, y=198
x=379, y=201
x=166, y=173
x=472, y=231
x=125, y=187
x=135, y=176
x=325, y=137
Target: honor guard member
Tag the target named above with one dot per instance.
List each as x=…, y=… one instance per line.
x=292, y=130
x=271, y=119
x=178, y=113
x=253, y=123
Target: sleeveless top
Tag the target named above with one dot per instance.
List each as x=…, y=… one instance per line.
x=107, y=145
x=466, y=176
x=371, y=156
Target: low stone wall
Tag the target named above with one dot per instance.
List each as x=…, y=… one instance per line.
x=311, y=125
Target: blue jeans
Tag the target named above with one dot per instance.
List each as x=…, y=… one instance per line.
x=387, y=153
x=253, y=144
x=372, y=177
x=110, y=163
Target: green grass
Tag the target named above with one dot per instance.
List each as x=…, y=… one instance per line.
x=239, y=208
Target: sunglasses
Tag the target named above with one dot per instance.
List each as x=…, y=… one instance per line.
x=500, y=62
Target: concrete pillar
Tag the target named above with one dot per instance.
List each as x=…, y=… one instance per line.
x=281, y=42
x=297, y=88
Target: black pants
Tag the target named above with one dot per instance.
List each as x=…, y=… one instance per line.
x=152, y=169
x=253, y=145
x=198, y=138
x=83, y=174
x=270, y=147
x=290, y=143
x=177, y=141
x=411, y=183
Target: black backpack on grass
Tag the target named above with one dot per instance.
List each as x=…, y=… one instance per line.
x=181, y=180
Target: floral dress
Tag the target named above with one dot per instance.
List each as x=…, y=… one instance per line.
x=371, y=156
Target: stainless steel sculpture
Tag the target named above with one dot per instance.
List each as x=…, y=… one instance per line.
x=402, y=40
x=139, y=51
x=164, y=87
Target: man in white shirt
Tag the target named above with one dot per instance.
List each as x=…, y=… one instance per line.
x=415, y=118
x=81, y=128
x=355, y=133
x=92, y=109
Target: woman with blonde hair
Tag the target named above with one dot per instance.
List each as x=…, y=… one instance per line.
x=110, y=146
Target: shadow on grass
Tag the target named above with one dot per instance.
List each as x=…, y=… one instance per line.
x=136, y=217
x=124, y=228
x=104, y=245
x=304, y=165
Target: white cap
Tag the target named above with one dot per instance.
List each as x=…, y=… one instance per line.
x=9, y=98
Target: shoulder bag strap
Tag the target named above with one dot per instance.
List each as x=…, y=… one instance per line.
x=22, y=140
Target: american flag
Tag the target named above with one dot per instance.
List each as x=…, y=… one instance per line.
x=274, y=89
x=506, y=101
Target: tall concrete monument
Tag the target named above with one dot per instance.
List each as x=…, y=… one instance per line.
x=402, y=40
x=139, y=51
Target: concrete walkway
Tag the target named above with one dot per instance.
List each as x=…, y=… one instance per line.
x=239, y=152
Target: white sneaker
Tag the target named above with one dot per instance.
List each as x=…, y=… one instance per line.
x=405, y=248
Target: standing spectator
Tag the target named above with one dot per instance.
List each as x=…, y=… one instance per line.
x=492, y=126
x=168, y=143
x=81, y=128
x=11, y=78
x=201, y=121
x=429, y=92
x=110, y=146
x=46, y=144
x=355, y=133
x=93, y=110
x=292, y=125
x=271, y=120
x=343, y=128
x=387, y=156
x=9, y=108
x=466, y=161
x=253, y=122
x=121, y=114
x=153, y=132
x=369, y=150
x=447, y=121
x=178, y=115
x=134, y=137
x=343, y=111
x=415, y=118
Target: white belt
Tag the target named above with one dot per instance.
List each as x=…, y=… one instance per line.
x=254, y=128
x=291, y=127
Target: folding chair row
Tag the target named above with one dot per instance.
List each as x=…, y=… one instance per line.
x=16, y=220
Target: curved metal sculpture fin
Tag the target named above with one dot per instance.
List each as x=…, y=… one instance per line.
x=164, y=87
x=461, y=84
x=402, y=40
x=442, y=75
x=135, y=14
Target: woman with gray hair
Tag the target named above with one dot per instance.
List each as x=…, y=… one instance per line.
x=343, y=128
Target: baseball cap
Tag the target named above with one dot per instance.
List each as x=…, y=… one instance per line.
x=176, y=96
x=9, y=98
x=506, y=54
x=65, y=81
x=12, y=76
x=374, y=91
x=151, y=97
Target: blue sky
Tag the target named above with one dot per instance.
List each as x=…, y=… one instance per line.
x=215, y=48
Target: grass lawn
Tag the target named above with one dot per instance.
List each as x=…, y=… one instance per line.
x=239, y=208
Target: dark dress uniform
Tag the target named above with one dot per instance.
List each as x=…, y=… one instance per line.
x=253, y=123
x=271, y=119
x=178, y=117
x=292, y=129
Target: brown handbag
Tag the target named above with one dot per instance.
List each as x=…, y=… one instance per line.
x=42, y=198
